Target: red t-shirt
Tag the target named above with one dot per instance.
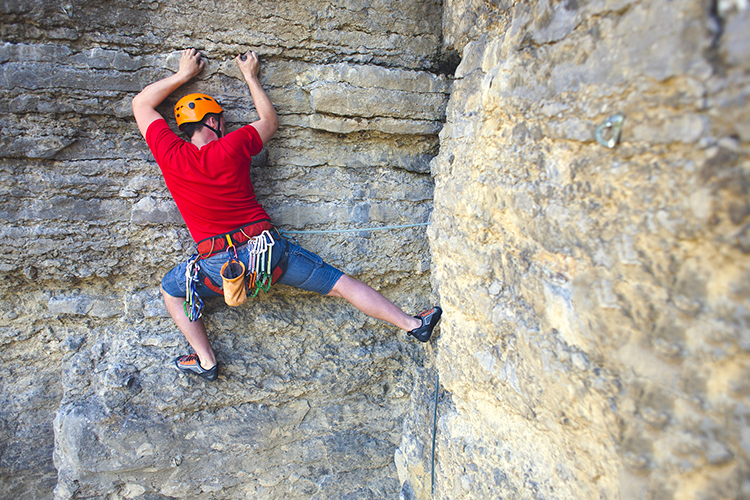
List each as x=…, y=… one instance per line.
x=210, y=185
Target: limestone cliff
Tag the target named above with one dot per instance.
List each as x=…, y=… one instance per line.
x=596, y=335
x=595, y=338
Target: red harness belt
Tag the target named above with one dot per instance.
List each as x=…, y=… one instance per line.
x=215, y=244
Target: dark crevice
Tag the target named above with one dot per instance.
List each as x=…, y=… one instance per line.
x=448, y=61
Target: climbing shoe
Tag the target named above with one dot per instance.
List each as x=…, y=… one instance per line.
x=191, y=364
x=430, y=319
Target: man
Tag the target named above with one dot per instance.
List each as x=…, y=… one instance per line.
x=209, y=179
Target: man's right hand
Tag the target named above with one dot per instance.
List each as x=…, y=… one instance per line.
x=190, y=63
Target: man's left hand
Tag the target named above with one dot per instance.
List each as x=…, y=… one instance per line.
x=249, y=64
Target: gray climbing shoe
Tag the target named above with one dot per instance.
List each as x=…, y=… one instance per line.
x=430, y=319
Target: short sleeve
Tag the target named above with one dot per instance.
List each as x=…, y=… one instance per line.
x=161, y=139
x=245, y=141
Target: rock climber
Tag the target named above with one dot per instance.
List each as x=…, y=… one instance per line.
x=209, y=179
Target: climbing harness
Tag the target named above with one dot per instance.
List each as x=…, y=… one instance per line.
x=238, y=281
x=612, y=126
x=215, y=244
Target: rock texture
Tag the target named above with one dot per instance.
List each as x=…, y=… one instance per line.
x=595, y=342
x=313, y=393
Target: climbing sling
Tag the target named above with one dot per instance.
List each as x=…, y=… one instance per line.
x=193, y=305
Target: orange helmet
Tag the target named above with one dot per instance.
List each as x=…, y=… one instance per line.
x=193, y=107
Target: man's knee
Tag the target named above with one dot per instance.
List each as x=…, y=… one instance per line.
x=340, y=287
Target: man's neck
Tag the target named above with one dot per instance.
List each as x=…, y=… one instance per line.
x=203, y=137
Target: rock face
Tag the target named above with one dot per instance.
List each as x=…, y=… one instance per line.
x=313, y=393
x=595, y=342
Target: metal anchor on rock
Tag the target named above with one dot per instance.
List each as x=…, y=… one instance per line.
x=612, y=126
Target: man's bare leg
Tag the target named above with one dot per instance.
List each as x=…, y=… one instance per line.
x=194, y=331
x=372, y=303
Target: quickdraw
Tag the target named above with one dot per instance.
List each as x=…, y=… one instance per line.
x=259, y=274
x=193, y=305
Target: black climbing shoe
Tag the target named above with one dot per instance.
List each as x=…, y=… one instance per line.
x=192, y=365
x=430, y=319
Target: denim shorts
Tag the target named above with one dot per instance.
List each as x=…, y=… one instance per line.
x=305, y=270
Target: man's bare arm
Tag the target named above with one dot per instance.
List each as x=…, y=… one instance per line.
x=268, y=122
x=145, y=103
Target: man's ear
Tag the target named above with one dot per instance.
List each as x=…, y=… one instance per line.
x=212, y=122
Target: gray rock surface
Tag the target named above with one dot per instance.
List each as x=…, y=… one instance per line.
x=312, y=393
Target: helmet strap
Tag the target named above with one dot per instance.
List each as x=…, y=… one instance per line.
x=215, y=130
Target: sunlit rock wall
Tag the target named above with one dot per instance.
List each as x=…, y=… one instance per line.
x=313, y=393
x=596, y=337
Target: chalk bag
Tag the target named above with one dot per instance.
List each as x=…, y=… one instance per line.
x=233, y=279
